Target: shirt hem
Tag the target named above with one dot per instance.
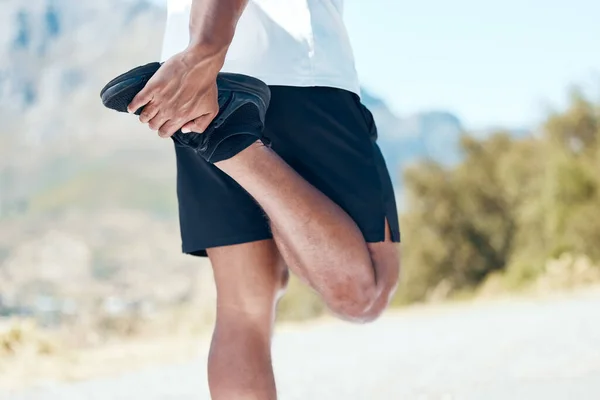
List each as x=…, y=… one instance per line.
x=322, y=81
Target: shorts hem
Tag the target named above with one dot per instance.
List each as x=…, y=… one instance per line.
x=200, y=250
x=379, y=236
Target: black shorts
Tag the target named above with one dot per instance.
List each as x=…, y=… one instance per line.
x=328, y=137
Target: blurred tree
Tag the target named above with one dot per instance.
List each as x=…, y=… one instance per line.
x=511, y=205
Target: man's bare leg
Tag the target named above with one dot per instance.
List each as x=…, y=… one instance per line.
x=249, y=278
x=318, y=240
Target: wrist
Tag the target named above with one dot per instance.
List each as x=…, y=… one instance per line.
x=209, y=58
x=208, y=48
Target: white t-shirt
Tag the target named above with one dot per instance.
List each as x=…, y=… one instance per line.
x=281, y=42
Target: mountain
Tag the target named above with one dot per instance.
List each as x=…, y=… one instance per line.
x=87, y=197
x=53, y=47
x=55, y=54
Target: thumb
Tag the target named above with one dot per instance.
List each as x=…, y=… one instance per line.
x=198, y=125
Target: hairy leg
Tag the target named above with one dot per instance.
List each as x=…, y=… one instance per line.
x=249, y=279
x=318, y=240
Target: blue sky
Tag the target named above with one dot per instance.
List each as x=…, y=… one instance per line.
x=490, y=62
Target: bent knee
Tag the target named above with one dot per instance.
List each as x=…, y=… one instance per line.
x=378, y=308
x=361, y=302
x=350, y=298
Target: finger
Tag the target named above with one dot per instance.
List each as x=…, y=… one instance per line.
x=150, y=111
x=144, y=97
x=168, y=129
x=157, y=122
x=200, y=124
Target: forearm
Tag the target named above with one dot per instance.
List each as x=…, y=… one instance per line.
x=212, y=25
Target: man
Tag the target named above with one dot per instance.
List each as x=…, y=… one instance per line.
x=318, y=200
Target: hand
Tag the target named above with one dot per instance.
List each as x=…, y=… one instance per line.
x=182, y=95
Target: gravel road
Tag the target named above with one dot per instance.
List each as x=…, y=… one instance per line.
x=514, y=349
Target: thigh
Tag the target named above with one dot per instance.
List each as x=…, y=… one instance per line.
x=328, y=137
x=249, y=277
x=214, y=210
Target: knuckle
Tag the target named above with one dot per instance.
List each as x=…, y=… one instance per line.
x=185, y=109
x=148, y=98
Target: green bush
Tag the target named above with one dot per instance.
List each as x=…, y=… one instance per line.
x=507, y=208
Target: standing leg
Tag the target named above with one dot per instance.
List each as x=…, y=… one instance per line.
x=249, y=280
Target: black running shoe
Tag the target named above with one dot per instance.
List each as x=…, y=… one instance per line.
x=243, y=103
